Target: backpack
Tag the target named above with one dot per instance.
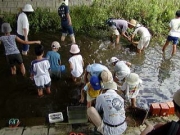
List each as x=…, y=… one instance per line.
x=62, y=12
x=174, y=128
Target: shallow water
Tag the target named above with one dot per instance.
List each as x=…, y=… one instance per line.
x=18, y=98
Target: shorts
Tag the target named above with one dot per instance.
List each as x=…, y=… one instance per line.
x=89, y=98
x=114, y=30
x=14, y=59
x=143, y=43
x=173, y=39
x=66, y=28
x=46, y=86
x=25, y=47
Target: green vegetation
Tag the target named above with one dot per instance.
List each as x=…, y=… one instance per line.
x=154, y=14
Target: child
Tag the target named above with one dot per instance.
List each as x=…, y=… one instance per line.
x=54, y=60
x=131, y=87
x=174, y=33
x=144, y=34
x=40, y=71
x=92, y=90
x=12, y=52
x=76, y=63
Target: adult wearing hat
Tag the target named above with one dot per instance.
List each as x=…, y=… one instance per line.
x=121, y=69
x=94, y=69
x=170, y=128
x=23, y=26
x=118, y=27
x=109, y=114
x=131, y=87
x=76, y=63
x=55, y=60
x=143, y=33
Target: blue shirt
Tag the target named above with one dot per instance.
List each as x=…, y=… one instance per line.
x=54, y=59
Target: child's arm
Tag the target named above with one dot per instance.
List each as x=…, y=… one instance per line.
x=27, y=42
x=82, y=96
x=59, y=62
x=70, y=66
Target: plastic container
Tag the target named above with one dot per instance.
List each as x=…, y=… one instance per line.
x=171, y=107
x=55, y=117
x=164, y=109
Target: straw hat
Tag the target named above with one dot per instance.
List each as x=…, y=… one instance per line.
x=133, y=79
x=55, y=44
x=74, y=49
x=6, y=28
x=28, y=8
x=110, y=85
x=132, y=22
x=106, y=76
x=176, y=97
x=113, y=59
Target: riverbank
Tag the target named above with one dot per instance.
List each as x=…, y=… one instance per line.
x=86, y=129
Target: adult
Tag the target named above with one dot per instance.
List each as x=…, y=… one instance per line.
x=23, y=26
x=118, y=27
x=93, y=70
x=121, y=69
x=109, y=114
x=165, y=129
x=143, y=33
x=66, y=24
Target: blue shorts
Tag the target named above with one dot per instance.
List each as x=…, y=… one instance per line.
x=66, y=28
x=25, y=47
x=175, y=40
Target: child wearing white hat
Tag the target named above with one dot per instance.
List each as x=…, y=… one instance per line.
x=55, y=60
x=131, y=87
x=76, y=63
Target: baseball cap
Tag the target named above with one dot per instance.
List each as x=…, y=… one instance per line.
x=113, y=59
x=95, y=83
x=55, y=44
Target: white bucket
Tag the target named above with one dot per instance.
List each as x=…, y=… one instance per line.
x=55, y=117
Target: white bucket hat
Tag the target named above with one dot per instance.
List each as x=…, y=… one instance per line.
x=113, y=59
x=133, y=79
x=74, y=49
x=106, y=76
x=55, y=44
x=28, y=8
x=6, y=28
x=176, y=97
x=110, y=85
x=132, y=22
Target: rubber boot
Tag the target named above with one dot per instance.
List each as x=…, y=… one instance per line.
x=72, y=39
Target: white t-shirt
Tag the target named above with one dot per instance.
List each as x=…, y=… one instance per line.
x=40, y=69
x=175, y=28
x=121, y=70
x=22, y=22
x=142, y=32
x=77, y=65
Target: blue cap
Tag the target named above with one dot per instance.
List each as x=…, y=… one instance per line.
x=95, y=83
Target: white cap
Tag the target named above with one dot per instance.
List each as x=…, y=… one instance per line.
x=74, y=49
x=113, y=59
x=55, y=44
x=133, y=79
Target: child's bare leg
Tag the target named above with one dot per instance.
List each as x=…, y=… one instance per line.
x=48, y=90
x=13, y=70
x=165, y=45
x=138, y=50
x=23, y=70
x=40, y=92
x=88, y=104
x=133, y=102
x=174, y=49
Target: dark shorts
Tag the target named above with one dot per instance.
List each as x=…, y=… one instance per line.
x=175, y=40
x=46, y=85
x=25, y=47
x=14, y=59
x=66, y=28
